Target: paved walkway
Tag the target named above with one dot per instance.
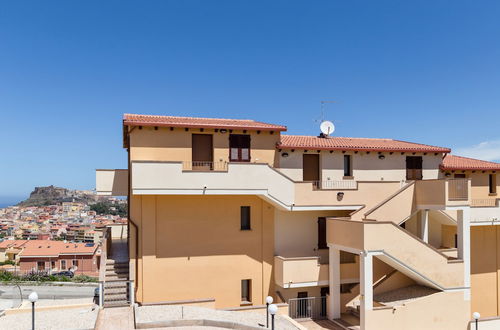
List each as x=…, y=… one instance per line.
x=119, y=250
x=118, y=318
x=320, y=324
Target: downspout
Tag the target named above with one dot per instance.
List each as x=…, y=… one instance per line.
x=130, y=221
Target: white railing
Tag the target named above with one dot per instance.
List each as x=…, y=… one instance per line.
x=336, y=185
x=307, y=308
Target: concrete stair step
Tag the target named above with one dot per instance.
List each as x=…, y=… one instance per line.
x=115, y=290
x=114, y=277
x=117, y=266
x=115, y=297
x=116, y=271
x=116, y=304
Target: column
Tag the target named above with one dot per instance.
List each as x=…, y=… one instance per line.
x=366, y=286
x=334, y=280
x=463, y=237
x=424, y=225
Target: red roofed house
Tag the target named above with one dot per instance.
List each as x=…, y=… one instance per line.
x=53, y=256
x=230, y=211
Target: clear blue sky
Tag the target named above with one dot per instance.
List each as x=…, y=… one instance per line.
x=424, y=71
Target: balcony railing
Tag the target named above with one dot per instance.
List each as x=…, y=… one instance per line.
x=203, y=166
x=483, y=202
x=458, y=189
x=335, y=185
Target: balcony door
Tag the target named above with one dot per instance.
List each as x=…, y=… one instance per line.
x=202, y=152
x=310, y=167
x=414, y=168
x=239, y=148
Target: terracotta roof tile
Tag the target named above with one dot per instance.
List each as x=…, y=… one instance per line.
x=452, y=162
x=171, y=121
x=55, y=248
x=345, y=143
x=12, y=243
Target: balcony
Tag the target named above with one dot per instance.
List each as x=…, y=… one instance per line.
x=189, y=178
x=448, y=192
x=335, y=185
x=299, y=272
x=111, y=182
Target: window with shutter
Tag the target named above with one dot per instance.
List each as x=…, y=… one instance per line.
x=239, y=148
x=414, y=168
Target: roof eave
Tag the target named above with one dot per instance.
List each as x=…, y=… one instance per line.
x=249, y=127
x=444, y=151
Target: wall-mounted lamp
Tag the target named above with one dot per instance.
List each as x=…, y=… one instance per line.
x=284, y=154
x=381, y=157
x=223, y=131
x=447, y=174
x=340, y=195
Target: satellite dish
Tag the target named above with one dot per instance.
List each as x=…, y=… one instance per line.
x=327, y=127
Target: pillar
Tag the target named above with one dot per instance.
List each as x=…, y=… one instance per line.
x=334, y=280
x=424, y=225
x=366, y=286
x=463, y=237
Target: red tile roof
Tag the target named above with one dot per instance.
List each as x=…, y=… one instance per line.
x=170, y=121
x=12, y=243
x=55, y=248
x=344, y=143
x=452, y=162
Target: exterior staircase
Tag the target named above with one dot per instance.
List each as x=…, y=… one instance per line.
x=116, y=285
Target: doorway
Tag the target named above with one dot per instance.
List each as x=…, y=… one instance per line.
x=310, y=166
x=413, y=168
x=202, y=152
x=239, y=148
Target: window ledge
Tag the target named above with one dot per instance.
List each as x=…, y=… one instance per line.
x=348, y=177
x=246, y=303
x=492, y=194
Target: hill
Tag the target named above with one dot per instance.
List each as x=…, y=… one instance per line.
x=51, y=195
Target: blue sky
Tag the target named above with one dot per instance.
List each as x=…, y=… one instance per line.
x=424, y=71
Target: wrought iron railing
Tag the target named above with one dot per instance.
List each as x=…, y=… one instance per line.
x=307, y=308
x=483, y=202
x=204, y=166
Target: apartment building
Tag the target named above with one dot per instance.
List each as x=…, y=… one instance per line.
x=380, y=233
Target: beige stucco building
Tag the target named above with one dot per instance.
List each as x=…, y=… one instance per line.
x=380, y=233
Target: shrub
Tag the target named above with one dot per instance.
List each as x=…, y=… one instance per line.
x=84, y=279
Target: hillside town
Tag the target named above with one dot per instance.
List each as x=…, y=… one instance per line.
x=59, y=237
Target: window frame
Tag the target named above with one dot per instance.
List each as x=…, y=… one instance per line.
x=239, y=140
x=246, y=285
x=492, y=184
x=348, y=166
x=245, y=218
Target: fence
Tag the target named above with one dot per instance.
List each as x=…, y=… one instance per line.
x=307, y=308
x=336, y=185
x=204, y=166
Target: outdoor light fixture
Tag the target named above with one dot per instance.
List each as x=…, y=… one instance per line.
x=285, y=154
x=223, y=130
x=269, y=300
x=447, y=175
x=33, y=297
x=476, y=317
x=340, y=195
x=381, y=157
x=273, y=309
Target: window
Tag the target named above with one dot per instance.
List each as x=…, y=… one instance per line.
x=245, y=218
x=246, y=286
x=75, y=263
x=459, y=176
x=347, y=165
x=63, y=264
x=493, y=183
x=239, y=148
x=322, y=233
x=52, y=264
x=40, y=265
x=414, y=168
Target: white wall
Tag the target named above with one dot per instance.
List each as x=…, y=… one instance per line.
x=366, y=167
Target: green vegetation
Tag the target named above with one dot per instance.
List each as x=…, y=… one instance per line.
x=109, y=208
x=7, y=262
x=6, y=276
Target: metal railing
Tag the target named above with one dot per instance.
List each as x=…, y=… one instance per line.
x=307, y=308
x=484, y=202
x=204, y=166
x=335, y=185
x=458, y=189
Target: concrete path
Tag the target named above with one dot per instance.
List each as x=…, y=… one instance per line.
x=320, y=324
x=118, y=318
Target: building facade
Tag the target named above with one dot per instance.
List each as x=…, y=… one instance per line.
x=386, y=232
